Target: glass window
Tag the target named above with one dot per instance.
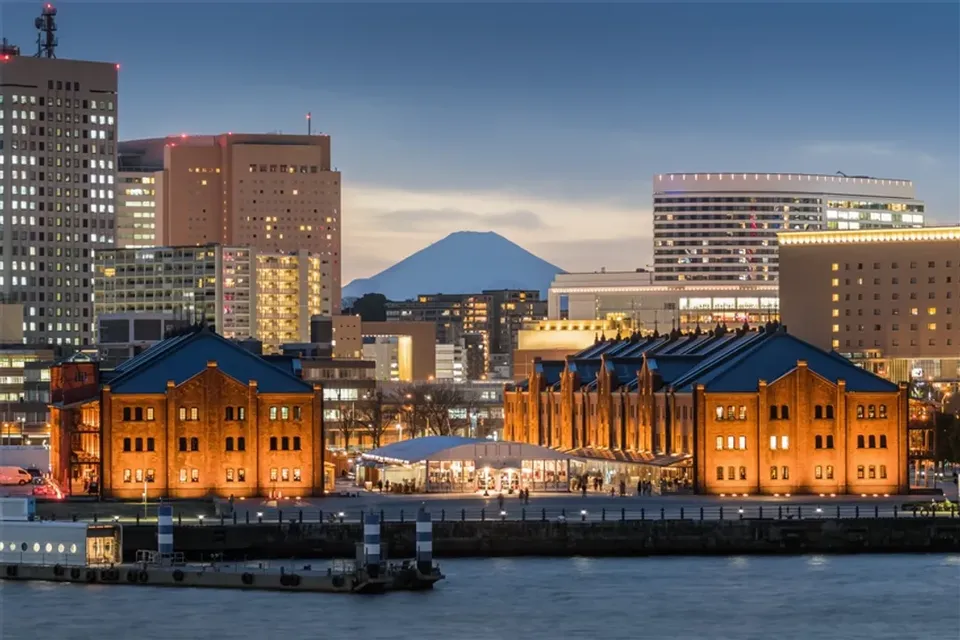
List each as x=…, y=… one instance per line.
x=126, y=444
x=241, y=475
x=284, y=413
x=784, y=412
x=818, y=442
x=273, y=474
x=829, y=412
x=829, y=442
x=829, y=472
x=296, y=443
x=731, y=473
x=139, y=475
x=285, y=443
x=182, y=444
x=273, y=443
x=284, y=475
x=743, y=473
x=873, y=472
x=150, y=444
x=241, y=413
x=719, y=473
x=149, y=413
x=883, y=442
x=860, y=472
x=297, y=412
x=228, y=413
x=719, y=412
x=872, y=411
x=860, y=411
x=786, y=473
x=182, y=413
x=730, y=442
x=719, y=443
x=126, y=413
x=241, y=444
x=883, y=472
x=194, y=475
x=773, y=412
x=273, y=413
x=773, y=473
x=151, y=475
x=883, y=407
x=818, y=412
x=784, y=442
x=183, y=475
x=296, y=474
x=138, y=444
x=742, y=442
x=743, y=412
x=872, y=442
x=194, y=444
x=194, y=413
x=818, y=472
x=229, y=444
x=126, y=475
x=229, y=474
x=860, y=441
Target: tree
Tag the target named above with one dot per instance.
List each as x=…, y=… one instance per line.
x=347, y=414
x=439, y=401
x=377, y=414
x=371, y=307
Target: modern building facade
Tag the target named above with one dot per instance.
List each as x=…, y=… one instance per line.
x=122, y=336
x=276, y=193
x=239, y=291
x=746, y=412
x=58, y=124
x=195, y=416
x=887, y=299
x=24, y=372
x=722, y=227
x=137, y=219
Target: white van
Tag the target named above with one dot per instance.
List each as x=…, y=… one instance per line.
x=14, y=475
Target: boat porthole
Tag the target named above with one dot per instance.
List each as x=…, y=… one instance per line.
x=73, y=548
x=60, y=548
x=24, y=546
x=36, y=547
x=1, y=546
x=48, y=548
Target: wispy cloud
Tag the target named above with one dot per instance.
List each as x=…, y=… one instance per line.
x=384, y=225
x=878, y=150
x=425, y=219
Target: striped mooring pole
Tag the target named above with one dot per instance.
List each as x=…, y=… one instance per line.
x=165, y=530
x=424, y=542
x=371, y=543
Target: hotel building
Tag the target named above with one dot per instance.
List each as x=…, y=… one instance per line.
x=137, y=223
x=239, y=291
x=887, y=299
x=194, y=416
x=722, y=227
x=58, y=123
x=275, y=193
x=747, y=412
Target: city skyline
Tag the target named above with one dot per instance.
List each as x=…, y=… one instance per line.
x=543, y=125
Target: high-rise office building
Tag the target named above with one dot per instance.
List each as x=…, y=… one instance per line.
x=239, y=291
x=276, y=193
x=722, y=227
x=58, y=123
x=137, y=222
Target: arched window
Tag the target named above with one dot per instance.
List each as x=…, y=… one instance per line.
x=743, y=473
x=743, y=412
x=829, y=442
x=860, y=411
x=194, y=444
x=883, y=411
x=829, y=412
x=818, y=413
x=719, y=473
x=273, y=443
x=285, y=443
x=720, y=414
x=859, y=442
x=126, y=413
x=872, y=411
x=883, y=442
x=784, y=412
x=818, y=441
x=773, y=473
x=296, y=443
x=773, y=412
x=138, y=414
x=731, y=473
x=228, y=413
x=731, y=413
x=872, y=440
x=126, y=444
x=860, y=472
x=229, y=444
x=241, y=444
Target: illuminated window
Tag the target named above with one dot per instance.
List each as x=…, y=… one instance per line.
x=127, y=476
x=835, y=297
x=742, y=442
x=883, y=411
x=835, y=313
x=829, y=472
x=194, y=475
x=818, y=472
x=773, y=473
x=835, y=282
x=720, y=444
x=296, y=474
x=730, y=442
x=835, y=267
x=932, y=311
x=836, y=327
x=719, y=473
x=773, y=443
x=183, y=475
x=284, y=475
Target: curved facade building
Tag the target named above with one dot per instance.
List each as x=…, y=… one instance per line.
x=722, y=227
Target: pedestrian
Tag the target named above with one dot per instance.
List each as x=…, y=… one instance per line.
x=639, y=488
x=500, y=500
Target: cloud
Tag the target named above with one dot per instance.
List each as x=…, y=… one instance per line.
x=423, y=219
x=870, y=149
x=384, y=225
x=626, y=253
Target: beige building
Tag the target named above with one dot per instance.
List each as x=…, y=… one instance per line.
x=403, y=351
x=887, y=299
x=277, y=193
x=240, y=291
x=58, y=123
x=137, y=221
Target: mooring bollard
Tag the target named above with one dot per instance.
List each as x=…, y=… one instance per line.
x=799, y=513
x=320, y=515
x=838, y=512
x=424, y=542
x=894, y=511
x=94, y=516
x=165, y=530
x=179, y=519
x=248, y=517
x=563, y=513
x=279, y=516
x=138, y=519
x=523, y=514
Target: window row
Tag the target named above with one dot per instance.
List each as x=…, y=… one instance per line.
x=193, y=413
x=732, y=412
x=137, y=444
x=137, y=413
x=284, y=413
x=820, y=472
x=820, y=412
x=871, y=411
x=285, y=474
x=194, y=444
x=779, y=413
x=241, y=444
x=818, y=442
x=731, y=442
x=870, y=442
x=235, y=413
x=284, y=443
x=784, y=442
x=138, y=475
x=872, y=472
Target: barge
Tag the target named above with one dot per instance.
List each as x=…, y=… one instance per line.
x=83, y=553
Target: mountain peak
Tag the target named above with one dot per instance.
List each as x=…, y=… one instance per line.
x=462, y=262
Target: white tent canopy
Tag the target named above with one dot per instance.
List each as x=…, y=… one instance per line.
x=484, y=452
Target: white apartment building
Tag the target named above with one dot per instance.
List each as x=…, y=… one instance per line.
x=58, y=124
x=722, y=227
x=240, y=292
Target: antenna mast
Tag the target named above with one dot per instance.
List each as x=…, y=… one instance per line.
x=309, y=123
x=47, y=26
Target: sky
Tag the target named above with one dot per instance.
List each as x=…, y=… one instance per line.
x=542, y=122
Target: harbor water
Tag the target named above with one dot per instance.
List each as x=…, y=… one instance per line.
x=873, y=597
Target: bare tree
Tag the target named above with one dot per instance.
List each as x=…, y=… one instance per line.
x=377, y=414
x=347, y=413
x=441, y=399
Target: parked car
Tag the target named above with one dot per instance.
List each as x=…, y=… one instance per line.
x=15, y=475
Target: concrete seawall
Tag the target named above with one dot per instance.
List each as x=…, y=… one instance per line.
x=533, y=538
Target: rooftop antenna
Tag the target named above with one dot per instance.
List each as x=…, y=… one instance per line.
x=309, y=122
x=47, y=26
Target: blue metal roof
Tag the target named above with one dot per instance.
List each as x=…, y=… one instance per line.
x=184, y=356
x=773, y=357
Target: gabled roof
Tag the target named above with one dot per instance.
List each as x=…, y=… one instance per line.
x=773, y=357
x=184, y=356
x=669, y=368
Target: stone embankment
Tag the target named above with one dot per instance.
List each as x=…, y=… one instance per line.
x=559, y=539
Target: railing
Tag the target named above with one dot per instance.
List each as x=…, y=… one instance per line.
x=515, y=513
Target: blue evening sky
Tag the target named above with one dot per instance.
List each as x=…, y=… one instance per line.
x=544, y=122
